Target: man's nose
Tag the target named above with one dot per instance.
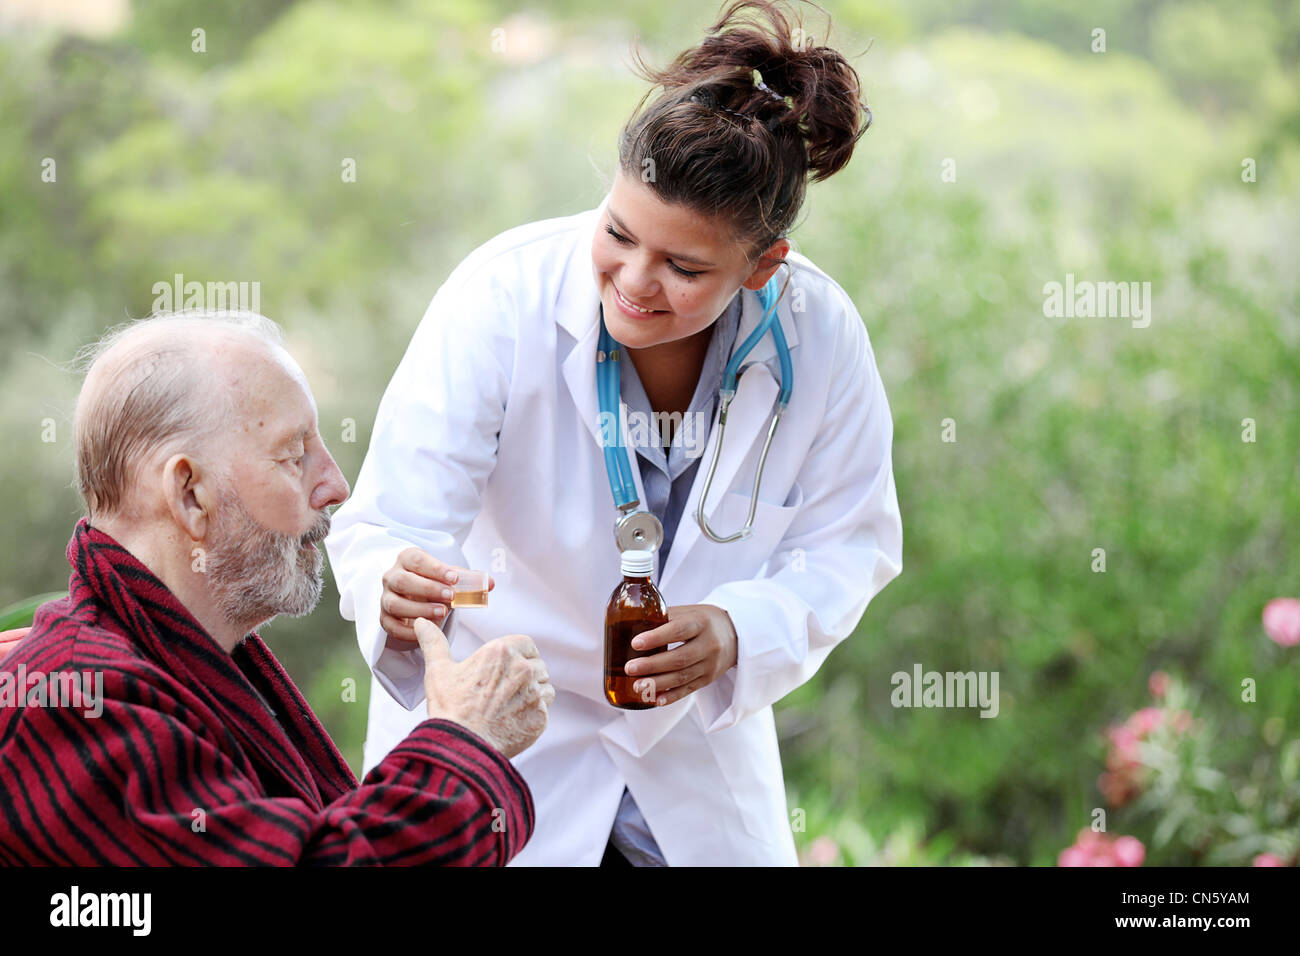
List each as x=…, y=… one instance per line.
x=332, y=489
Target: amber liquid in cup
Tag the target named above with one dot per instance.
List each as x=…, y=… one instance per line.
x=635, y=606
x=470, y=598
x=470, y=589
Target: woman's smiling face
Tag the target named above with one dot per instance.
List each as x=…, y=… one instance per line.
x=680, y=267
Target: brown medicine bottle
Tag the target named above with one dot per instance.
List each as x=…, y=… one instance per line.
x=635, y=606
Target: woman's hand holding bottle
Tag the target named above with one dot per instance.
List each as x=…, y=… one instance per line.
x=708, y=650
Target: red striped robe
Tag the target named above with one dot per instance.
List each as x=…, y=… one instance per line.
x=188, y=765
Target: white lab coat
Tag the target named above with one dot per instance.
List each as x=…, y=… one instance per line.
x=486, y=453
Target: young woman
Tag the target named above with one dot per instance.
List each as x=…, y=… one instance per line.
x=488, y=452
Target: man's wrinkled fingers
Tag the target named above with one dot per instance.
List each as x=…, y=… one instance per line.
x=494, y=654
x=522, y=672
x=522, y=644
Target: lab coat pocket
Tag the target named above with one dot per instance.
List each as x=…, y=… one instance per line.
x=750, y=761
x=744, y=559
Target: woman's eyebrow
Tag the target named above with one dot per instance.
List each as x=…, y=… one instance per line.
x=671, y=255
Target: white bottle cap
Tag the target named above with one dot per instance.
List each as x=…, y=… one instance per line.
x=638, y=562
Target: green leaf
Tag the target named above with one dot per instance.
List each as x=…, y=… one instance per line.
x=1170, y=824
x=1207, y=778
x=1291, y=761
x=20, y=614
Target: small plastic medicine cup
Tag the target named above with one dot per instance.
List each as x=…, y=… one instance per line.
x=470, y=589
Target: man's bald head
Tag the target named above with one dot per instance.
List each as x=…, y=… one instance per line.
x=157, y=386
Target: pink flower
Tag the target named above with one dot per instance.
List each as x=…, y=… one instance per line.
x=1119, y=783
x=1123, y=779
x=1082, y=850
x=1117, y=788
x=1268, y=859
x=1091, y=841
x=823, y=852
x=1158, y=684
x=1129, y=851
x=1146, y=720
x=1125, y=741
x=1096, y=849
x=1282, y=621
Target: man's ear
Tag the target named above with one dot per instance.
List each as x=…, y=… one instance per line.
x=190, y=495
x=768, y=263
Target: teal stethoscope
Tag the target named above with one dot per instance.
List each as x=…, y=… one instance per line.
x=641, y=529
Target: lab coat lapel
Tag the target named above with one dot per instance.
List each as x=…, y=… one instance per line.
x=580, y=376
x=577, y=313
x=578, y=309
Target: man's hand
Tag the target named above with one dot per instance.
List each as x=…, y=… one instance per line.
x=9, y=640
x=417, y=585
x=501, y=692
x=709, y=651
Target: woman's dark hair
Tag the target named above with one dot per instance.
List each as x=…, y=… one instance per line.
x=717, y=142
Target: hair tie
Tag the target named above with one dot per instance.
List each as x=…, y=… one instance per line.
x=710, y=101
x=744, y=116
x=770, y=92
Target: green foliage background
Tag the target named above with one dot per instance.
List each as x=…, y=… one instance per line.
x=1072, y=434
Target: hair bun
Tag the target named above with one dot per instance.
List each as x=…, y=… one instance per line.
x=744, y=120
x=811, y=88
x=824, y=97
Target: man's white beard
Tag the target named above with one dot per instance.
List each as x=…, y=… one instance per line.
x=257, y=573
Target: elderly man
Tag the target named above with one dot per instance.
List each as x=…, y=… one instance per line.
x=171, y=734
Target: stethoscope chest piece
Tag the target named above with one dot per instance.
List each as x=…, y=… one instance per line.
x=638, y=531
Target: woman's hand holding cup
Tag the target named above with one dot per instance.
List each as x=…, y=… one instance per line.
x=417, y=585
